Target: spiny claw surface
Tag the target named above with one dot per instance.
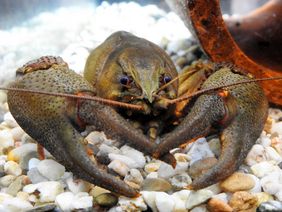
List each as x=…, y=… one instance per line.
x=50, y=120
x=243, y=114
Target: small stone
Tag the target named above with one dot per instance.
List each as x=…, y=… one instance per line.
x=134, y=176
x=217, y=205
x=242, y=200
x=277, y=127
x=221, y=196
x=263, y=168
x=272, y=154
x=181, y=157
x=6, y=139
x=200, y=167
x=164, y=202
x=47, y=190
x=119, y=167
x=152, y=175
x=35, y=176
x=77, y=185
x=180, y=181
x=17, y=133
x=276, y=143
x=12, y=168
x=45, y=207
x=180, y=199
x=15, y=186
x=132, y=204
x=155, y=184
x=152, y=167
x=65, y=200
x=134, y=154
x=237, y=182
x=9, y=120
x=256, y=155
x=23, y=154
x=96, y=191
x=82, y=200
x=129, y=162
x=198, y=197
x=264, y=141
x=273, y=206
x=33, y=163
x=200, y=208
x=150, y=199
x=51, y=169
x=257, y=186
x=166, y=171
x=7, y=180
x=23, y=195
x=106, y=200
x=199, y=150
x=263, y=197
x=16, y=204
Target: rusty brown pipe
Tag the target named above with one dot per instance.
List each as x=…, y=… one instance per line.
x=204, y=19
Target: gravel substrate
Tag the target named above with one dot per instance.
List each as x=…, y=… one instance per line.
x=28, y=184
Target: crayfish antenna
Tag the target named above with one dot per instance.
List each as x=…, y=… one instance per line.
x=77, y=96
x=208, y=90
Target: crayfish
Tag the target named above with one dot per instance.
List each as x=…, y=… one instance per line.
x=127, y=80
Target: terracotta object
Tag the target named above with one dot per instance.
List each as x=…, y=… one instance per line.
x=256, y=46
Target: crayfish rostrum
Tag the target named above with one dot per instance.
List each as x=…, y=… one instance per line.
x=133, y=73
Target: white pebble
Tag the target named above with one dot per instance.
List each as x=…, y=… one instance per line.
x=150, y=199
x=33, y=163
x=256, y=155
x=138, y=202
x=16, y=204
x=164, y=202
x=119, y=167
x=6, y=180
x=9, y=120
x=17, y=133
x=6, y=139
x=263, y=168
x=277, y=127
x=124, y=159
x=257, y=187
x=278, y=195
x=48, y=190
x=198, y=197
x=199, y=150
x=265, y=141
x=51, y=169
x=12, y=168
x=152, y=175
x=222, y=196
x=166, y=171
x=77, y=185
x=64, y=201
x=272, y=154
x=272, y=183
x=136, y=155
x=82, y=200
x=180, y=199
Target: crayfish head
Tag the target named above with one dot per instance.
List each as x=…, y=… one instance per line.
x=144, y=73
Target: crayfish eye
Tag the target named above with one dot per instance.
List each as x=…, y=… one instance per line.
x=124, y=80
x=167, y=79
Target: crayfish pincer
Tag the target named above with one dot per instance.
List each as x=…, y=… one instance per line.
x=238, y=113
x=55, y=121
